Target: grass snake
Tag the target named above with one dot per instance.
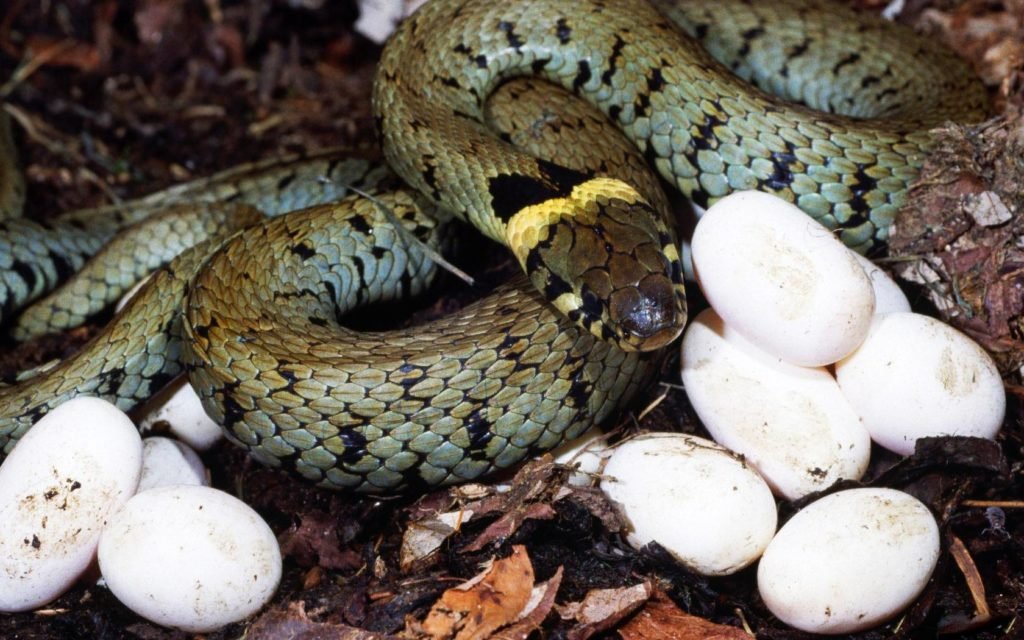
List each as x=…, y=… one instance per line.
x=256, y=319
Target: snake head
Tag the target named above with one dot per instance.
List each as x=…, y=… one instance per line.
x=605, y=258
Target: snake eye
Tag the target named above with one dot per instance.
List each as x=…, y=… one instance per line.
x=648, y=313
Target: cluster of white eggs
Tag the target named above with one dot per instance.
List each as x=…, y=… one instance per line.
x=83, y=488
x=807, y=355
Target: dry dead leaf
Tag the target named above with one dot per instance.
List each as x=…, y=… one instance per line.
x=601, y=609
x=293, y=623
x=542, y=600
x=661, y=619
x=422, y=538
x=491, y=600
x=315, y=540
x=62, y=52
x=532, y=491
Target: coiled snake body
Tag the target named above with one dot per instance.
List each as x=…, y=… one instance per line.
x=509, y=375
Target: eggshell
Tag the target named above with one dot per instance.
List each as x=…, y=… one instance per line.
x=849, y=561
x=190, y=557
x=168, y=462
x=180, y=407
x=889, y=297
x=781, y=279
x=586, y=453
x=791, y=423
x=694, y=498
x=915, y=376
x=74, y=468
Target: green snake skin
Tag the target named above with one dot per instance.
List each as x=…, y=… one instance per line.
x=259, y=327
x=703, y=128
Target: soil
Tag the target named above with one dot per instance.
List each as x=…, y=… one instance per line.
x=114, y=99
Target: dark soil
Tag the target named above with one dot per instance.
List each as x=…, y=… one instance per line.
x=118, y=99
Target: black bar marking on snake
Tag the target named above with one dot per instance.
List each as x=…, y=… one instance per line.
x=360, y=266
x=26, y=273
x=448, y=81
x=301, y=250
x=283, y=183
x=360, y=224
x=613, y=60
x=509, y=29
x=65, y=267
x=479, y=431
x=849, y=59
x=355, y=445
x=753, y=33
x=510, y=193
x=582, y=76
x=563, y=31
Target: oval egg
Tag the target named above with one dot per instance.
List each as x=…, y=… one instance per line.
x=74, y=468
x=915, y=376
x=889, y=297
x=781, y=279
x=179, y=406
x=169, y=462
x=697, y=500
x=586, y=454
x=190, y=557
x=849, y=561
x=790, y=423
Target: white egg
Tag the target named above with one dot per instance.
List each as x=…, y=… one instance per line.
x=699, y=501
x=168, y=462
x=889, y=297
x=586, y=454
x=915, y=376
x=791, y=423
x=190, y=557
x=179, y=406
x=849, y=561
x=781, y=279
x=73, y=469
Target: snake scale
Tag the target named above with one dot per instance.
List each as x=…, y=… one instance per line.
x=256, y=319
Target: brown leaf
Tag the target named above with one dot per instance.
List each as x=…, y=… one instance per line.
x=491, y=600
x=422, y=538
x=64, y=52
x=662, y=619
x=315, y=540
x=293, y=623
x=507, y=524
x=533, y=490
x=541, y=602
x=601, y=609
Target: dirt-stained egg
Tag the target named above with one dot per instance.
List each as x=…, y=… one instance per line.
x=916, y=376
x=67, y=476
x=190, y=557
x=700, y=502
x=849, y=561
x=791, y=423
